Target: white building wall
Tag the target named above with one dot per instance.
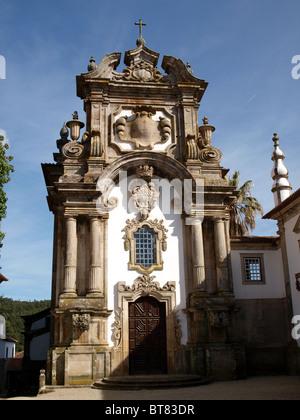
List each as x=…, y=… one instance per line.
x=118, y=258
x=2, y=327
x=293, y=252
x=274, y=276
x=7, y=349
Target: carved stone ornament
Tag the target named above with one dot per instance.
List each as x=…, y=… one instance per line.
x=145, y=197
x=146, y=284
x=218, y=318
x=117, y=332
x=210, y=154
x=178, y=332
x=104, y=202
x=207, y=154
x=143, y=131
x=192, y=148
x=145, y=172
x=81, y=321
x=96, y=145
x=73, y=149
x=139, y=72
x=130, y=244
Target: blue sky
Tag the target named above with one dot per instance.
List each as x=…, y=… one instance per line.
x=243, y=48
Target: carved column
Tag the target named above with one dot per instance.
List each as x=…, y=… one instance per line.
x=198, y=257
x=223, y=281
x=95, y=280
x=71, y=257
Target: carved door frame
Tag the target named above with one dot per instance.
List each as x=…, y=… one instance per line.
x=145, y=286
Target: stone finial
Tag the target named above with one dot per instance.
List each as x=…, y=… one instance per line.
x=189, y=68
x=75, y=126
x=206, y=131
x=64, y=132
x=281, y=187
x=92, y=66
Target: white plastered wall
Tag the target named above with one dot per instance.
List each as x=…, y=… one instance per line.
x=274, y=276
x=293, y=252
x=118, y=258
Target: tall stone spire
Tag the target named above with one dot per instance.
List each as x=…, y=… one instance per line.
x=280, y=174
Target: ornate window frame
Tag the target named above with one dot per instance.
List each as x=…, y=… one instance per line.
x=132, y=226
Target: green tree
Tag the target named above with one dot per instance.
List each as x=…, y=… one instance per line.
x=244, y=209
x=5, y=170
x=12, y=310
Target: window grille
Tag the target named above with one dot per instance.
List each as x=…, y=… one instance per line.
x=252, y=269
x=145, y=242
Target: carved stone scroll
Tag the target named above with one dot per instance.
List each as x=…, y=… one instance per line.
x=96, y=145
x=73, y=149
x=210, y=154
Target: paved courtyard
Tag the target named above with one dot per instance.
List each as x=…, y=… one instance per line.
x=255, y=388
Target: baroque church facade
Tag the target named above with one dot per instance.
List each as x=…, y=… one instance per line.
x=146, y=279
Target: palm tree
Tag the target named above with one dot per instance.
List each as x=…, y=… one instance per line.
x=244, y=209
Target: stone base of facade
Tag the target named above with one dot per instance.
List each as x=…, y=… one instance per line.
x=176, y=362
x=217, y=361
x=78, y=365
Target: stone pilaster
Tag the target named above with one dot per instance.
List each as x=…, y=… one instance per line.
x=96, y=270
x=223, y=280
x=70, y=258
x=198, y=257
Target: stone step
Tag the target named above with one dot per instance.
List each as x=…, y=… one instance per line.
x=150, y=382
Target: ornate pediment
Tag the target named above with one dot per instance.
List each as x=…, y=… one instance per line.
x=141, y=66
x=146, y=284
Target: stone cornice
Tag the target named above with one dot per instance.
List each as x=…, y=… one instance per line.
x=287, y=209
x=255, y=243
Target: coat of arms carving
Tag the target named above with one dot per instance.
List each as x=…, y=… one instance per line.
x=143, y=131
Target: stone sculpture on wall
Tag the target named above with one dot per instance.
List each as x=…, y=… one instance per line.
x=143, y=131
x=201, y=148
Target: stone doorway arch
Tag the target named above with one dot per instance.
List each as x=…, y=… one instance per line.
x=144, y=286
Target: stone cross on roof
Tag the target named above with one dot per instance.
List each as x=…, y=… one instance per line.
x=141, y=24
x=141, y=40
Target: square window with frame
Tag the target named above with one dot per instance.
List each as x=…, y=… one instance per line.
x=252, y=266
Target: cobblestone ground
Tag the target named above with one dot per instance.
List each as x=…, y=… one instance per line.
x=256, y=388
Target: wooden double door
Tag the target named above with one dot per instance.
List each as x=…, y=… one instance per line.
x=147, y=337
